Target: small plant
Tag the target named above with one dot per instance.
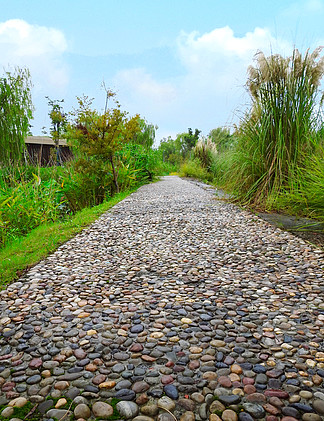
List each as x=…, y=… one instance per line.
x=204, y=151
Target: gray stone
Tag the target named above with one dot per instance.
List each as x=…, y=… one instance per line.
x=82, y=411
x=102, y=410
x=127, y=409
x=254, y=409
x=318, y=405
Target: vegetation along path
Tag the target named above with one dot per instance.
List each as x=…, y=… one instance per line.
x=179, y=305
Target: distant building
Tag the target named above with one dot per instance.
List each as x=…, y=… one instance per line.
x=42, y=151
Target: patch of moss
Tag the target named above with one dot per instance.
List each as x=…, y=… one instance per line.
x=22, y=412
x=115, y=416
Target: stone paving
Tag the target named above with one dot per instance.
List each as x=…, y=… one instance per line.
x=181, y=306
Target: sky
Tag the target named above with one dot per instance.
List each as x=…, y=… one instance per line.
x=177, y=63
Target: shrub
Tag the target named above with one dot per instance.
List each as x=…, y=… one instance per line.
x=193, y=168
x=205, y=150
x=280, y=130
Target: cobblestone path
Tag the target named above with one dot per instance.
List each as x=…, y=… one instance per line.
x=173, y=303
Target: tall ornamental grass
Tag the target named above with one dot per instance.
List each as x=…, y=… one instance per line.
x=278, y=135
x=205, y=151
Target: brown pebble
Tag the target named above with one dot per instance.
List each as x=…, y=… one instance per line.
x=249, y=388
x=224, y=381
x=271, y=409
x=142, y=399
x=98, y=379
x=276, y=402
x=61, y=385
x=187, y=404
x=91, y=367
x=256, y=397
x=237, y=369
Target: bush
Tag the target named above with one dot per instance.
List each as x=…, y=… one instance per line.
x=193, y=168
x=279, y=132
x=26, y=204
x=205, y=151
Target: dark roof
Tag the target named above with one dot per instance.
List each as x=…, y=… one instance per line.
x=43, y=140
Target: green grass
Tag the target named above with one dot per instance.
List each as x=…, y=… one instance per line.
x=280, y=131
x=193, y=168
x=23, y=253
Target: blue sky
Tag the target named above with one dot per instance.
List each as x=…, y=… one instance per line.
x=178, y=63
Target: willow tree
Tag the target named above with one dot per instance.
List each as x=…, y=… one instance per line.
x=15, y=113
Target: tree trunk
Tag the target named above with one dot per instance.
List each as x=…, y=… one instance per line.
x=115, y=175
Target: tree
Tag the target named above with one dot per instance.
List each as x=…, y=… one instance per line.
x=16, y=111
x=188, y=141
x=98, y=137
x=146, y=134
x=222, y=138
x=59, y=122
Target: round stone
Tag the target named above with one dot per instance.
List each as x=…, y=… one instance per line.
x=318, y=405
x=167, y=403
x=7, y=412
x=254, y=409
x=311, y=417
x=229, y=415
x=188, y=416
x=82, y=411
x=127, y=410
x=18, y=402
x=171, y=391
x=102, y=410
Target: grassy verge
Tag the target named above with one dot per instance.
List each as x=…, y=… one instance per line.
x=25, y=252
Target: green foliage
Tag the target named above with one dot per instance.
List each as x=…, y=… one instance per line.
x=145, y=136
x=222, y=139
x=175, y=151
x=170, y=151
x=193, y=168
x=205, y=151
x=137, y=165
x=59, y=123
x=15, y=113
x=27, y=202
x=305, y=194
x=222, y=166
x=97, y=138
x=280, y=130
x=188, y=141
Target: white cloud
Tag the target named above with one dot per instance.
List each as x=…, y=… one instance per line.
x=212, y=85
x=141, y=84
x=220, y=56
x=37, y=47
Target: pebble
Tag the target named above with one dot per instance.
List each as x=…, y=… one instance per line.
x=229, y=415
x=170, y=298
x=82, y=411
x=127, y=409
x=102, y=409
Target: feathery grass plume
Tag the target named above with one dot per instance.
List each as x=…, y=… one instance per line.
x=279, y=131
x=204, y=151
